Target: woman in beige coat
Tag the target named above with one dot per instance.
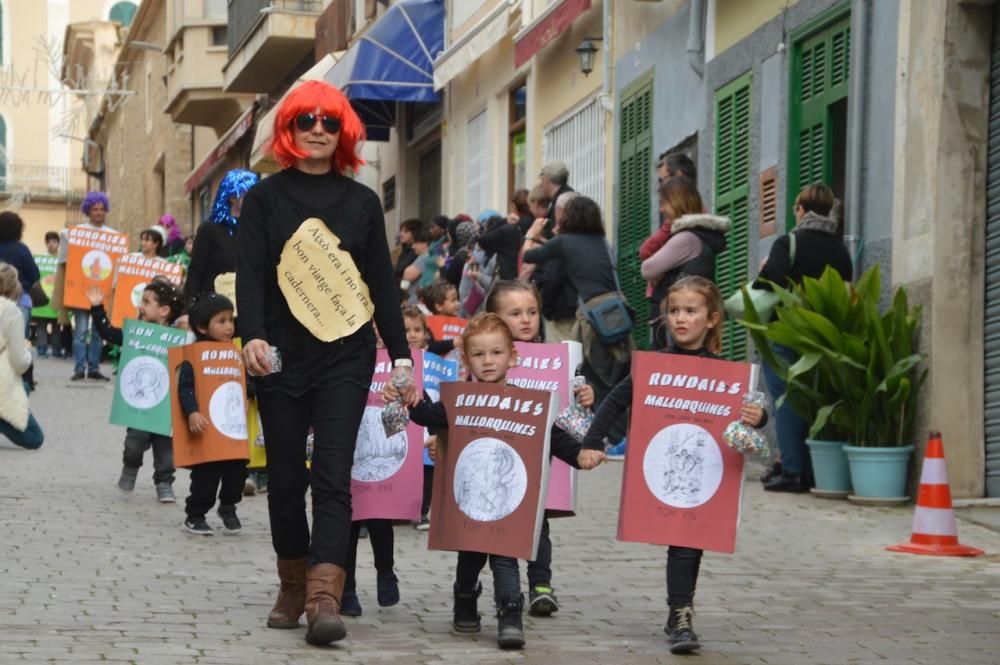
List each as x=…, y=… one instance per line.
x=16, y=421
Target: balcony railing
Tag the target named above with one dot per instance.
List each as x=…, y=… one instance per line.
x=244, y=16
x=41, y=181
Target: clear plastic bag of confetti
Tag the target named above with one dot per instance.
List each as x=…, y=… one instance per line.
x=745, y=439
x=575, y=420
x=395, y=418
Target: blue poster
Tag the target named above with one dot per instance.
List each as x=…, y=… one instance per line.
x=437, y=370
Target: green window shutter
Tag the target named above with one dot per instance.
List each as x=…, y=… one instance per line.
x=732, y=198
x=821, y=70
x=634, y=210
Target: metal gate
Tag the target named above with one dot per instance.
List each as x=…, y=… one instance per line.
x=992, y=319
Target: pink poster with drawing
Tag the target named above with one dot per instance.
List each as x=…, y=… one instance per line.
x=551, y=367
x=388, y=473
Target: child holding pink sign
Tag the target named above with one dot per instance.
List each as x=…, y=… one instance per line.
x=519, y=305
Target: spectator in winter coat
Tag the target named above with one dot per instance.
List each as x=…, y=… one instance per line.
x=817, y=245
x=696, y=239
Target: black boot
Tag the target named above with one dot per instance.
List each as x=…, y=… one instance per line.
x=773, y=472
x=789, y=481
x=680, y=629
x=466, y=613
x=510, y=633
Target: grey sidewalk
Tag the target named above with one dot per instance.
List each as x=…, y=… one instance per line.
x=87, y=575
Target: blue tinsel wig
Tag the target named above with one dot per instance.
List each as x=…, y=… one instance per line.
x=234, y=184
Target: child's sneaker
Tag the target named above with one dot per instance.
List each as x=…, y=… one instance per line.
x=350, y=606
x=465, y=612
x=680, y=629
x=229, y=520
x=542, y=601
x=126, y=481
x=250, y=485
x=388, y=589
x=262, y=482
x=423, y=525
x=510, y=632
x=165, y=493
x=617, y=451
x=198, y=526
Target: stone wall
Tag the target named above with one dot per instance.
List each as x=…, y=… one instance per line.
x=147, y=156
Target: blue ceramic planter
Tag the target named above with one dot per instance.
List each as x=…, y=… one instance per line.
x=830, y=467
x=879, y=472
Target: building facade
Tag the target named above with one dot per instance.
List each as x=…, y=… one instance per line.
x=43, y=109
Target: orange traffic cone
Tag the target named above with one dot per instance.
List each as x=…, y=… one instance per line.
x=934, y=530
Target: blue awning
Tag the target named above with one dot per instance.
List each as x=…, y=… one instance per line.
x=392, y=62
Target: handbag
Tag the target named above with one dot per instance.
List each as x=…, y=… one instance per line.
x=764, y=301
x=38, y=295
x=610, y=318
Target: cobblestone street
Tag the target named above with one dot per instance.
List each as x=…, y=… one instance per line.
x=89, y=575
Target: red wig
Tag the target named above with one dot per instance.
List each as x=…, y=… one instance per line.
x=332, y=102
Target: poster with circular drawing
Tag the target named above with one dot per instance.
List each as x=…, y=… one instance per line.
x=228, y=410
x=683, y=466
x=96, y=265
x=144, y=382
x=137, y=293
x=490, y=480
x=377, y=457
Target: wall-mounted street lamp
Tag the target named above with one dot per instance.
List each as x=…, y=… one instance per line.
x=586, y=51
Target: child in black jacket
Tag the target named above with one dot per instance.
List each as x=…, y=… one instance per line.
x=693, y=309
x=488, y=351
x=210, y=318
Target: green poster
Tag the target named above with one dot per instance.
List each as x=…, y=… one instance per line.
x=47, y=274
x=142, y=391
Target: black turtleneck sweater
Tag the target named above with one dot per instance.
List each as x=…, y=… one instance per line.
x=272, y=211
x=620, y=398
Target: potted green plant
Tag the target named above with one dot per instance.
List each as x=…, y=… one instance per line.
x=857, y=376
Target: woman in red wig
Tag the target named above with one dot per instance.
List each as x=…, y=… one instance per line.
x=326, y=362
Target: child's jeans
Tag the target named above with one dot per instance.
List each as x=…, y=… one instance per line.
x=682, y=574
x=138, y=442
x=540, y=570
x=506, y=577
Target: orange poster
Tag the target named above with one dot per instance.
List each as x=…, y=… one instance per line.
x=220, y=389
x=91, y=260
x=445, y=327
x=133, y=273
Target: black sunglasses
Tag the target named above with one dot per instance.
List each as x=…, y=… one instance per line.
x=306, y=121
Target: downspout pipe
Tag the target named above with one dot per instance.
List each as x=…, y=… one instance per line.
x=607, y=99
x=853, y=196
x=696, y=37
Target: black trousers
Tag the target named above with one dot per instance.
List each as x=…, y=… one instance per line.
x=381, y=536
x=335, y=415
x=425, y=504
x=226, y=478
x=682, y=574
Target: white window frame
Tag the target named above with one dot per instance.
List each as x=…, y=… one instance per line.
x=577, y=138
x=477, y=165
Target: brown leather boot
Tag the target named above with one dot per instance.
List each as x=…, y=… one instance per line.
x=324, y=589
x=291, y=600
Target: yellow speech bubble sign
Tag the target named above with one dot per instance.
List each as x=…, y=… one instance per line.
x=225, y=285
x=322, y=284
